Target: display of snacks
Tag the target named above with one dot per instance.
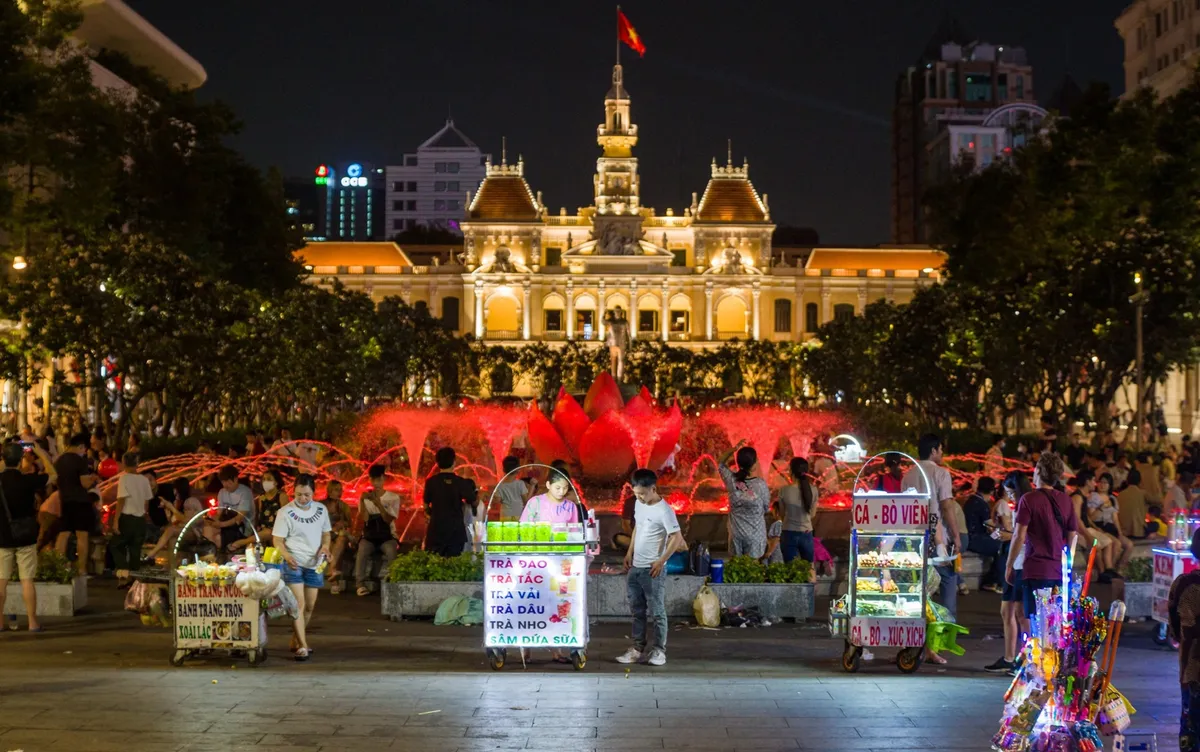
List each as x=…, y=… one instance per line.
x=891, y=560
x=890, y=586
x=867, y=585
x=870, y=559
x=875, y=608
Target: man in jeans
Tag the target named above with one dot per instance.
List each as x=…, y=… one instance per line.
x=377, y=512
x=16, y=548
x=655, y=537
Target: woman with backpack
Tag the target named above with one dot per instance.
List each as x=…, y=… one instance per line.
x=1045, y=523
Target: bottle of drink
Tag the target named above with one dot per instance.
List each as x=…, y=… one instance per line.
x=1181, y=530
x=323, y=564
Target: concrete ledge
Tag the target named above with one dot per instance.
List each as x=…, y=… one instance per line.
x=410, y=599
x=53, y=599
x=777, y=601
x=606, y=595
x=1137, y=597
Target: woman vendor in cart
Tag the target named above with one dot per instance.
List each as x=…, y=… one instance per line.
x=554, y=507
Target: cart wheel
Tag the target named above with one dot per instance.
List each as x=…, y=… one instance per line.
x=256, y=657
x=851, y=657
x=909, y=660
x=496, y=658
x=578, y=659
x=178, y=657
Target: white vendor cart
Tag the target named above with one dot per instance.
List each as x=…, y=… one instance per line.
x=1169, y=563
x=212, y=614
x=535, y=585
x=885, y=602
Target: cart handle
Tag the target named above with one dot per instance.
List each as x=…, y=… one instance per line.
x=927, y=493
x=504, y=477
x=258, y=546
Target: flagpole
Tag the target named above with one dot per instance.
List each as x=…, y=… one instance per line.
x=618, y=35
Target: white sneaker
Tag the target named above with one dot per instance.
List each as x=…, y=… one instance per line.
x=867, y=655
x=657, y=658
x=632, y=655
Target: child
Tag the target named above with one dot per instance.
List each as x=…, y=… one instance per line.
x=774, y=533
x=552, y=506
x=655, y=537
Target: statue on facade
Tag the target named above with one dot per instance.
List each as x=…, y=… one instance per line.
x=733, y=261
x=616, y=338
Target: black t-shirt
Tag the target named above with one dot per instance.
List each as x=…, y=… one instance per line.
x=977, y=512
x=1075, y=455
x=70, y=468
x=445, y=496
x=154, y=507
x=20, y=494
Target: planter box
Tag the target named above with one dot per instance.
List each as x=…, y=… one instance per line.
x=409, y=599
x=774, y=601
x=607, y=599
x=1137, y=597
x=53, y=599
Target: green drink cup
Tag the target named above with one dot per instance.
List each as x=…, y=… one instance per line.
x=527, y=534
x=494, y=532
x=509, y=532
x=542, y=531
x=560, y=538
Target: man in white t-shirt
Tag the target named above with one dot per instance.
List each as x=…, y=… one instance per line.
x=301, y=535
x=941, y=513
x=128, y=531
x=656, y=536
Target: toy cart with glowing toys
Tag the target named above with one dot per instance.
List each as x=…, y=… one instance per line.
x=210, y=612
x=885, y=602
x=535, y=583
x=1170, y=561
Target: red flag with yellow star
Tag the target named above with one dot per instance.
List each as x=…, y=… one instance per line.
x=627, y=34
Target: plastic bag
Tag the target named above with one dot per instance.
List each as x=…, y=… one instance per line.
x=461, y=610
x=707, y=607
x=281, y=602
x=136, y=599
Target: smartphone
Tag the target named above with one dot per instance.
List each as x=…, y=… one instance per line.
x=28, y=445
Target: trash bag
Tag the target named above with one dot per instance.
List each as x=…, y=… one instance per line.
x=137, y=598
x=461, y=610
x=744, y=616
x=707, y=607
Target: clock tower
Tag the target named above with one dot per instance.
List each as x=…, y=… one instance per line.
x=618, y=220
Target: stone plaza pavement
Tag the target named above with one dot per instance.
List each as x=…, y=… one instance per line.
x=102, y=682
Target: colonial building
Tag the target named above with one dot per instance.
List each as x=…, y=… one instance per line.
x=697, y=275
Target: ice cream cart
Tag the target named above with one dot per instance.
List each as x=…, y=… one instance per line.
x=535, y=585
x=885, y=602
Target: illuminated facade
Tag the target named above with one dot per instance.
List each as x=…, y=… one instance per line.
x=1161, y=39
x=695, y=276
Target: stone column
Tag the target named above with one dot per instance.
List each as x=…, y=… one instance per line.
x=526, y=312
x=479, y=309
x=570, y=309
x=826, y=306
x=862, y=300
x=708, y=311
x=601, y=307
x=798, y=312
x=633, y=309
x=755, y=317
x=664, y=319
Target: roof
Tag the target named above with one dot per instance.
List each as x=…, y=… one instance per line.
x=336, y=253
x=617, y=90
x=893, y=259
x=949, y=30
x=449, y=137
x=113, y=25
x=504, y=195
x=730, y=197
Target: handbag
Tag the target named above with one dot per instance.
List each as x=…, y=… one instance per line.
x=25, y=528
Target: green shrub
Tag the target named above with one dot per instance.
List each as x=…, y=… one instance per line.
x=1140, y=569
x=795, y=571
x=54, y=567
x=744, y=569
x=422, y=566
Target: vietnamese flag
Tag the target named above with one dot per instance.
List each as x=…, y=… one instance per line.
x=627, y=34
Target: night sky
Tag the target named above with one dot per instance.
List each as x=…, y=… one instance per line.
x=804, y=89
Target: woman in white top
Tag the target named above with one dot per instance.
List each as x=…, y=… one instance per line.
x=301, y=535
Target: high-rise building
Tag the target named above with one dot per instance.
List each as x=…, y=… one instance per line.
x=350, y=200
x=302, y=200
x=430, y=187
x=1161, y=37
x=962, y=100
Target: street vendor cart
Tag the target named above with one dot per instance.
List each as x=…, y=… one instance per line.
x=535, y=584
x=885, y=601
x=1169, y=563
x=210, y=612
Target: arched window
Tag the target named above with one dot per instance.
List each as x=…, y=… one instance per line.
x=783, y=315
x=811, y=320
x=843, y=311
x=617, y=120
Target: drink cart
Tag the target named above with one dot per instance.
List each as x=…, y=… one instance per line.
x=535, y=584
x=1169, y=563
x=210, y=612
x=885, y=601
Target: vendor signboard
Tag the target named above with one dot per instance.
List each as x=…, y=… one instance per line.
x=872, y=631
x=890, y=513
x=215, y=616
x=535, y=601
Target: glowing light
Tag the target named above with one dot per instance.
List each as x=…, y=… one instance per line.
x=354, y=170
x=322, y=171
x=928, y=270
x=321, y=181
x=19, y=263
x=103, y=288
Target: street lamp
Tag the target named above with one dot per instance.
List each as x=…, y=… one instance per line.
x=19, y=263
x=1139, y=301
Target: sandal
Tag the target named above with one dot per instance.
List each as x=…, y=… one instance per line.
x=363, y=590
x=935, y=658
x=302, y=654
x=561, y=659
